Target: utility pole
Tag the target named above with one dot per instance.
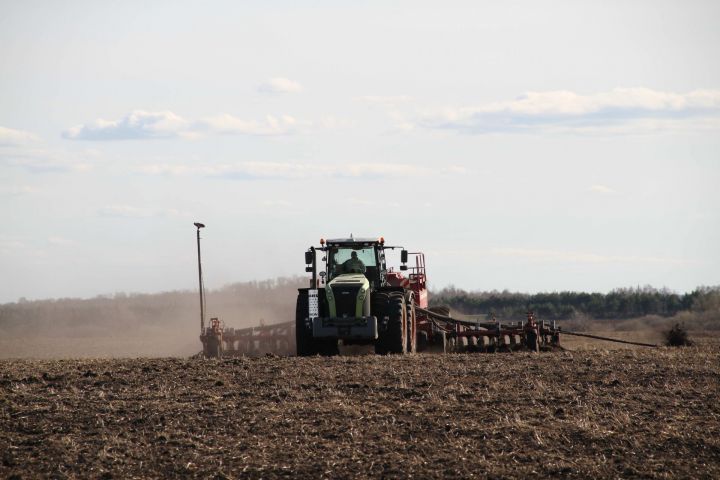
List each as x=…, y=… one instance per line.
x=200, y=281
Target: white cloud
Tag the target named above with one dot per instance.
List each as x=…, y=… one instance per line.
x=280, y=85
x=129, y=211
x=11, y=137
x=602, y=189
x=139, y=124
x=637, y=109
x=26, y=150
x=278, y=170
x=244, y=170
x=271, y=125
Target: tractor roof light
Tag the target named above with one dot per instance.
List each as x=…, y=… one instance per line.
x=322, y=241
x=382, y=240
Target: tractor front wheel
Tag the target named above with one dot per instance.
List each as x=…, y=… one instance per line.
x=303, y=338
x=394, y=338
x=306, y=344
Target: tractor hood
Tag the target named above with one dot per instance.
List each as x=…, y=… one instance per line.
x=346, y=294
x=350, y=279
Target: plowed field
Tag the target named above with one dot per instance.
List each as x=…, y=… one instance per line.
x=591, y=414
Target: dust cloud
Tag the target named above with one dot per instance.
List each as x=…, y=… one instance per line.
x=138, y=325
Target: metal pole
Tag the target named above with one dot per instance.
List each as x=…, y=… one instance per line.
x=200, y=281
x=314, y=267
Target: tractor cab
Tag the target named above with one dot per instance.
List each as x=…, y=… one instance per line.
x=356, y=256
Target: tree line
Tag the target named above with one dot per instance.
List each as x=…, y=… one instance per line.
x=620, y=303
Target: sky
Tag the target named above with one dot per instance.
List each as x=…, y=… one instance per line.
x=521, y=145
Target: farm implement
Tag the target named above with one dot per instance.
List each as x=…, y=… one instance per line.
x=355, y=297
x=253, y=341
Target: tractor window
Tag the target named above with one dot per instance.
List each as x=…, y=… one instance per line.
x=339, y=255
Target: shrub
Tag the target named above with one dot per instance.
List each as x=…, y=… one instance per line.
x=677, y=337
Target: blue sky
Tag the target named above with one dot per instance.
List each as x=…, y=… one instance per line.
x=532, y=146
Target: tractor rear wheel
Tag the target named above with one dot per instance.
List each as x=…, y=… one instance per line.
x=394, y=338
x=411, y=324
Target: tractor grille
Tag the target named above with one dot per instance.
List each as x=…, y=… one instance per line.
x=345, y=299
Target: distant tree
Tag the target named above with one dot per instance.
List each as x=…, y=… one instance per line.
x=618, y=303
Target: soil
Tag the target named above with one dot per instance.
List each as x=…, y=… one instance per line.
x=650, y=413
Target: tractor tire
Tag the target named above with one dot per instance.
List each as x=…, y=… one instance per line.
x=306, y=344
x=394, y=338
x=411, y=324
x=304, y=341
x=379, y=306
x=379, y=309
x=328, y=347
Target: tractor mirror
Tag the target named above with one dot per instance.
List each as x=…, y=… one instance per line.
x=308, y=257
x=403, y=256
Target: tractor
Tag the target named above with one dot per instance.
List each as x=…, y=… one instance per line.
x=357, y=299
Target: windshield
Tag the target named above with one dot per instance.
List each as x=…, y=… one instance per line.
x=342, y=260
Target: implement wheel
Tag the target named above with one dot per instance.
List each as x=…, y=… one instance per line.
x=212, y=346
x=531, y=340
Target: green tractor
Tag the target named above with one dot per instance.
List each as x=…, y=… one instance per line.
x=354, y=299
